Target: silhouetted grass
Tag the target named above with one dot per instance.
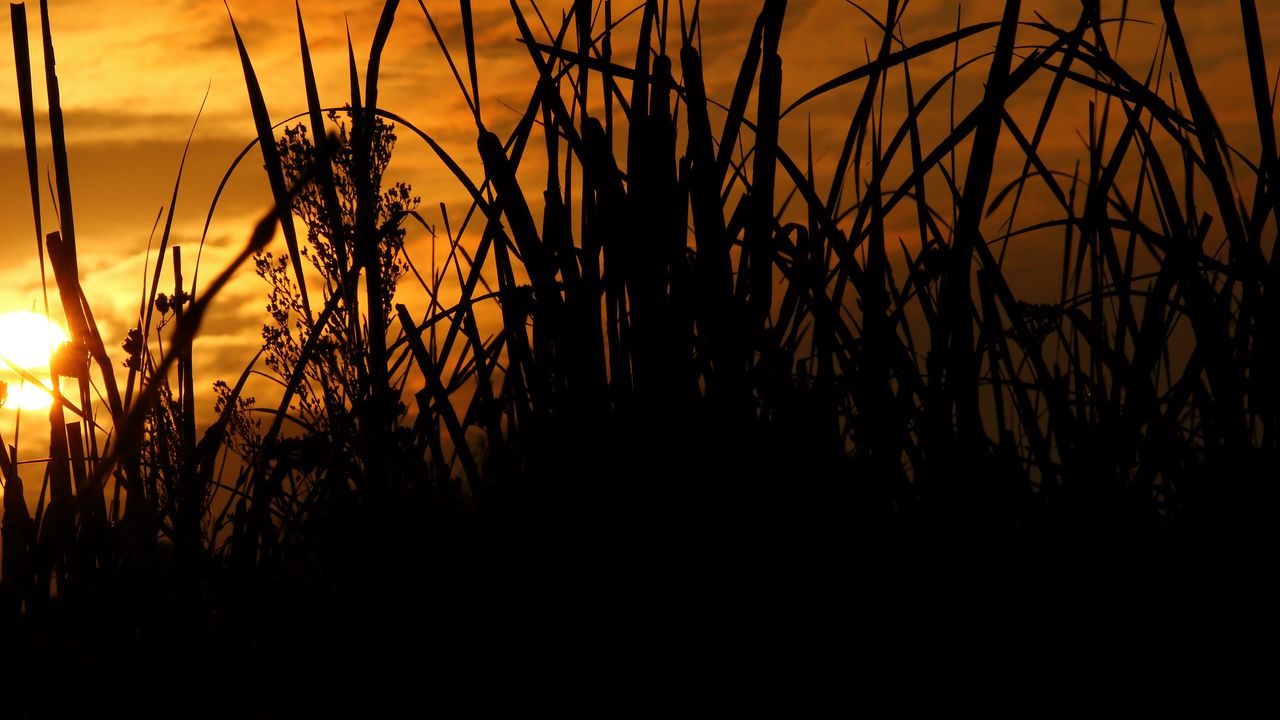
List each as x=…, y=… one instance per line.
x=714, y=376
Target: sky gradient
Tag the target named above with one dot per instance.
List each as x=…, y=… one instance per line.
x=133, y=77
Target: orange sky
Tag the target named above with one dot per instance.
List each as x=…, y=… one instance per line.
x=133, y=75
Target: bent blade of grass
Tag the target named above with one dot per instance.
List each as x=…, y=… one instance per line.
x=990, y=101
x=129, y=432
x=917, y=50
x=275, y=172
x=150, y=295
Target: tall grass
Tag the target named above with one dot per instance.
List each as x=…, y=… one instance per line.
x=714, y=370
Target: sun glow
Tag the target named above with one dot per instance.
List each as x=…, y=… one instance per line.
x=27, y=341
x=28, y=397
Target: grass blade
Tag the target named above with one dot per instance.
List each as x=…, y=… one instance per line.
x=275, y=174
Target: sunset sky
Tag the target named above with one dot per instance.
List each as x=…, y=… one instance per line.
x=133, y=76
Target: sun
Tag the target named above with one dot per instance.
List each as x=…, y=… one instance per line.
x=26, y=396
x=27, y=340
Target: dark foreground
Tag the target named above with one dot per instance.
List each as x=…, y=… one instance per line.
x=745, y=603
